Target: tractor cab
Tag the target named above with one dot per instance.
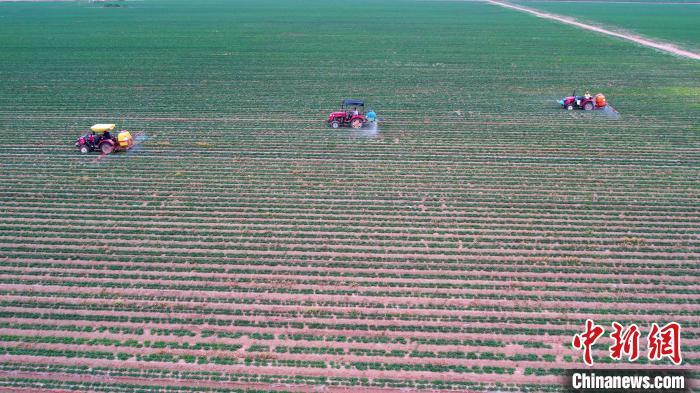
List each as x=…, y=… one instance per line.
x=350, y=106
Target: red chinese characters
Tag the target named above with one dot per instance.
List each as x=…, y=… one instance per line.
x=625, y=343
x=586, y=340
x=662, y=342
x=665, y=342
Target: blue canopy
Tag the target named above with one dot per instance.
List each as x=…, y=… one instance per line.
x=351, y=102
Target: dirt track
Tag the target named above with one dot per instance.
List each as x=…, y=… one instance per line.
x=668, y=48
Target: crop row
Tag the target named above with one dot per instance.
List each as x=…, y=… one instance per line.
x=647, y=242
x=281, y=349
x=413, y=213
x=488, y=265
x=490, y=310
x=420, y=286
x=447, y=246
x=312, y=312
x=295, y=337
x=261, y=361
x=526, y=183
x=527, y=330
x=464, y=272
x=260, y=250
x=211, y=321
x=508, y=205
x=286, y=288
x=29, y=226
x=112, y=387
x=330, y=301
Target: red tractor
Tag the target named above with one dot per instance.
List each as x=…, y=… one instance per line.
x=586, y=102
x=351, y=114
x=101, y=139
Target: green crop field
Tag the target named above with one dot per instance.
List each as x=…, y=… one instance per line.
x=245, y=246
x=676, y=23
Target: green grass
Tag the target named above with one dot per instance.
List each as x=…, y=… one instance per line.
x=242, y=208
x=674, y=23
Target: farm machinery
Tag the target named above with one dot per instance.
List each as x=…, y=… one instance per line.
x=101, y=139
x=351, y=114
x=586, y=102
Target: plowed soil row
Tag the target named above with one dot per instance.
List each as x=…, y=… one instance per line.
x=344, y=284
x=478, y=274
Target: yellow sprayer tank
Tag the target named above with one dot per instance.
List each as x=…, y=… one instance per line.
x=125, y=140
x=103, y=127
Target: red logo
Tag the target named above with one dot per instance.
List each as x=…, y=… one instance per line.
x=665, y=342
x=625, y=343
x=586, y=340
x=661, y=342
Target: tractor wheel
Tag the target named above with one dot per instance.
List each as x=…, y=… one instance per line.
x=106, y=148
x=84, y=149
x=335, y=124
x=588, y=106
x=357, y=123
x=569, y=107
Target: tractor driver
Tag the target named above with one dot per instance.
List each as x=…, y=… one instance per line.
x=355, y=112
x=587, y=95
